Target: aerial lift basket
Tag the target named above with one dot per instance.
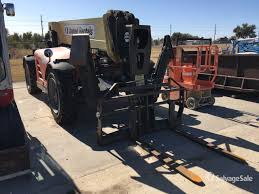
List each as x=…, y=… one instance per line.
x=186, y=67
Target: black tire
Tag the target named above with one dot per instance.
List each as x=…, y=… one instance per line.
x=191, y=103
x=30, y=77
x=61, y=97
x=212, y=100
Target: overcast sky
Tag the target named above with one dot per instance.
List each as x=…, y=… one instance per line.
x=196, y=17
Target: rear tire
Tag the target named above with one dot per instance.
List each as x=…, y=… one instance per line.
x=61, y=97
x=30, y=77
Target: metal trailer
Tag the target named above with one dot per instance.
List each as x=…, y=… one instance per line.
x=14, y=153
x=238, y=72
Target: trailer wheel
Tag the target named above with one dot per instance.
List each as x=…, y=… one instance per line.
x=30, y=78
x=191, y=103
x=60, y=96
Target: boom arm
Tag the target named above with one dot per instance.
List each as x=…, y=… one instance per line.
x=164, y=58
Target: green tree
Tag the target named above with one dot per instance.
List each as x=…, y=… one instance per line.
x=14, y=40
x=27, y=36
x=16, y=37
x=245, y=31
x=156, y=42
x=26, y=40
x=37, y=38
x=223, y=40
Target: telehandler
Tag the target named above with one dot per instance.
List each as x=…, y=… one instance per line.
x=106, y=62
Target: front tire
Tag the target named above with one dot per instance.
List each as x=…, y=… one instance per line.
x=30, y=77
x=61, y=97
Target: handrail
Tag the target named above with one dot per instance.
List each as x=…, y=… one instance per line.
x=209, y=64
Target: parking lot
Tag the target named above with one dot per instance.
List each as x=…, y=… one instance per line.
x=68, y=160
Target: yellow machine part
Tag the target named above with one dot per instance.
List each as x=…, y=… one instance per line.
x=97, y=28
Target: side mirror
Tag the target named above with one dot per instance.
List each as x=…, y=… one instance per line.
x=48, y=53
x=9, y=8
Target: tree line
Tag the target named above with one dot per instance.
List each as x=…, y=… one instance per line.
x=26, y=40
x=241, y=31
x=29, y=40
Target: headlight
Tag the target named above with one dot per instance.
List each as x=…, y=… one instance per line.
x=2, y=69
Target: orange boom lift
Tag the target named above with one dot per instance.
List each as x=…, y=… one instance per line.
x=192, y=57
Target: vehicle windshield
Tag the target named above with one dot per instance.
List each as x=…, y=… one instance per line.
x=2, y=68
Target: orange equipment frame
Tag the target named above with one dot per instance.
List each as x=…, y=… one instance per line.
x=185, y=68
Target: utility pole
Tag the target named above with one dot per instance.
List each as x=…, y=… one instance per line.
x=170, y=30
x=215, y=32
x=41, y=22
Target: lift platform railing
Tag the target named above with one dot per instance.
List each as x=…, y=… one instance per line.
x=190, y=61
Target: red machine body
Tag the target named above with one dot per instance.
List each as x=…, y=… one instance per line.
x=6, y=88
x=6, y=97
x=42, y=63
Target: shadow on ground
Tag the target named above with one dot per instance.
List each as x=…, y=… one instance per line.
x=190, y=120
x=188, y=152
x=247, y=96
x=231, y=114
x=47, y=175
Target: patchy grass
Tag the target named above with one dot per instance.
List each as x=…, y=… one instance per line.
x=16, y=53
x=16, y=56
x=17, y=70
x=155, y=53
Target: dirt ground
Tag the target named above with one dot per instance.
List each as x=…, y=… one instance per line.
x=68, y=160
